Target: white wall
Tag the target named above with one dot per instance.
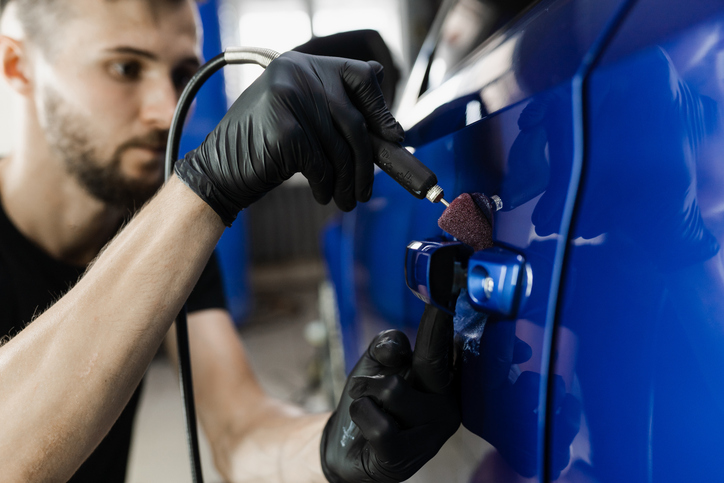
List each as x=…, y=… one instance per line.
x=7, y=118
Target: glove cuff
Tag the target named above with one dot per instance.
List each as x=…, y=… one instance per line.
x=331, y=477
x=200, y=184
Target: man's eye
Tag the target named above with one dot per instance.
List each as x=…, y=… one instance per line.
x=126, y=70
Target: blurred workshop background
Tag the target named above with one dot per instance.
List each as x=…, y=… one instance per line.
x=271, y=258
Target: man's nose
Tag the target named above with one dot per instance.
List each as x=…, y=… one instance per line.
x=159, y=103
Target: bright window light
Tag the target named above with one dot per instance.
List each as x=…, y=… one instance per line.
x=282, y=25
x=383, y=18
x=280, y=31
x=269, y=26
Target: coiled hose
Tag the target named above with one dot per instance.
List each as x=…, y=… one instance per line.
x=232, y=55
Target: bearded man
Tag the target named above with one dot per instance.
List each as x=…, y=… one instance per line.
x=98, y=81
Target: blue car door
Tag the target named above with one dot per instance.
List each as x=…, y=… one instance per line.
x=495, y=108
x=503, y=119
x=641, y=315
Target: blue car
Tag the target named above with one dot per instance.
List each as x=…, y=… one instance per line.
x=598, y=123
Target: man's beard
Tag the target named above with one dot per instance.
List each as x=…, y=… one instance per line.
x=68, y=136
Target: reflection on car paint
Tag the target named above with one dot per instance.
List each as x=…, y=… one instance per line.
x=646, y=305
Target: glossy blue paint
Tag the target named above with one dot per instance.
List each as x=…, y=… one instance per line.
x=529, y=229
x=643, y=323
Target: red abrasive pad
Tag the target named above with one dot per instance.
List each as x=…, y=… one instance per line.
x=468, y=218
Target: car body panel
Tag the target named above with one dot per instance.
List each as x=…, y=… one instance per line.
x=627, y=355
x=642, y=299
x=485, y=137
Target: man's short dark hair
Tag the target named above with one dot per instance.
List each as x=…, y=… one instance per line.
x=38, y=17
x=41, y=18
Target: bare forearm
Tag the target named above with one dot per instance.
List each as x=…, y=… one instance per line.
x=65, y=379
x=280, y=448
x=253, y=436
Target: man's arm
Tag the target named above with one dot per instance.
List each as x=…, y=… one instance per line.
x=65, y=378
x=254, y=437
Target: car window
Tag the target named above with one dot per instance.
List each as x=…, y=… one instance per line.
x=467, y=24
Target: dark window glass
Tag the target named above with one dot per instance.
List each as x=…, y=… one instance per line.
x=467, y=25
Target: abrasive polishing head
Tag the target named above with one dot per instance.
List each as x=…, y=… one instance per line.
x=469, y=219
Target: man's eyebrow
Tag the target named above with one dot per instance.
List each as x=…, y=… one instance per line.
x=132, y=51
x=149, y=55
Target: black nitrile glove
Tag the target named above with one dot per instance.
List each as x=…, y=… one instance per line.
x=304, y=114
x=397, y=409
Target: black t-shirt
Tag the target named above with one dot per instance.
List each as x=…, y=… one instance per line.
x=30, y=281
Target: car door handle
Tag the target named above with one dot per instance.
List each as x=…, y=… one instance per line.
x=496, y=278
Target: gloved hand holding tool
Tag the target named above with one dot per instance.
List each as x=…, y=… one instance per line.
x=304, y=114
x=398, y=407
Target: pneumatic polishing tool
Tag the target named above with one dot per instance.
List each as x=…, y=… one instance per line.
x=407, y=170
x=495, y=278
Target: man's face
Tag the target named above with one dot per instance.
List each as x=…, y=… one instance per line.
x=106, y=95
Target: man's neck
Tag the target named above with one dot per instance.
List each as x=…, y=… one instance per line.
x=49, y=207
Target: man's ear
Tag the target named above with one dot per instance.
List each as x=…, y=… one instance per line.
x=15, y=65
